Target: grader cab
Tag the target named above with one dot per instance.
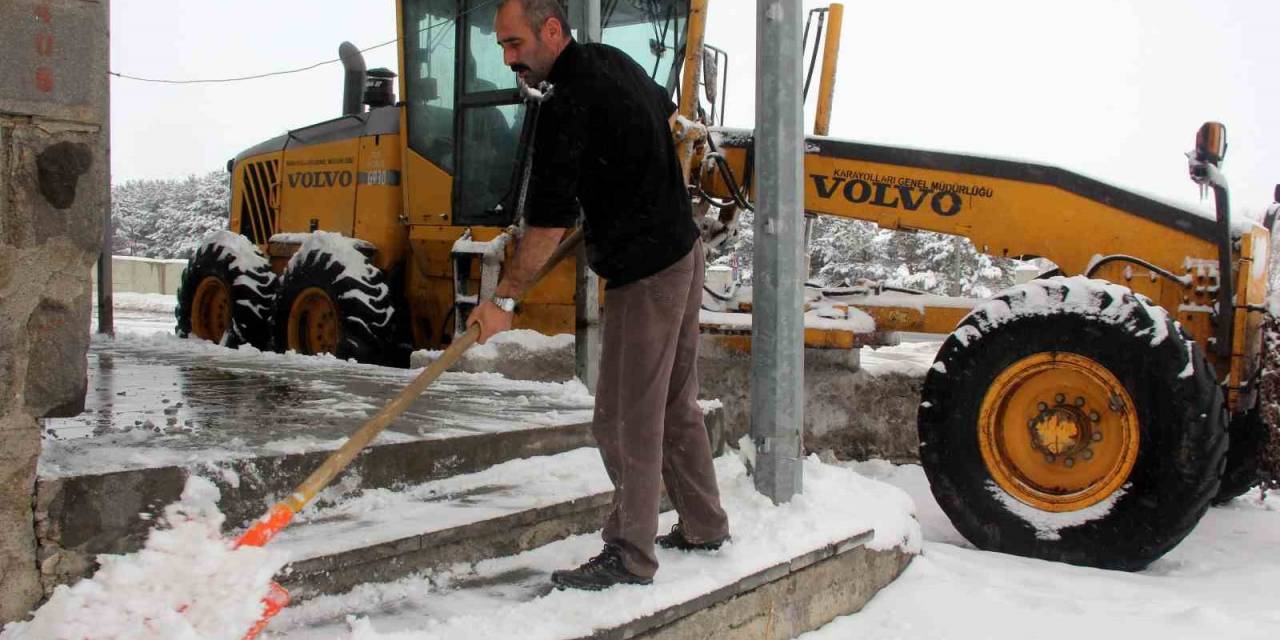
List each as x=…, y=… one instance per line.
x=1085, y=416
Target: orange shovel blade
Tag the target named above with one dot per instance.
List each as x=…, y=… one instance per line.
x=258, y=535
x=274, y=602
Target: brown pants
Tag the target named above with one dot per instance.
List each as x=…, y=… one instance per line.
x=647, y=421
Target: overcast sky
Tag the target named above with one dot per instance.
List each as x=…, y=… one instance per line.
x=1111, y=88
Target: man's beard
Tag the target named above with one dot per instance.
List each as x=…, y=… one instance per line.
x=531, y=77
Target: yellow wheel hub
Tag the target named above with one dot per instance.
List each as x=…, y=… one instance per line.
x=1058, y=431
x=313, y=323
x=211, y=309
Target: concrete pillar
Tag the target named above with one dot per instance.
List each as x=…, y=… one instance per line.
x=54, y=177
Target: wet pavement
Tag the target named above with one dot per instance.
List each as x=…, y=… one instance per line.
x=157, y=400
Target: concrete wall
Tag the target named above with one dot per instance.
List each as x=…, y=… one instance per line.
x=853, y=413
x=143, y=275
x=54, y=176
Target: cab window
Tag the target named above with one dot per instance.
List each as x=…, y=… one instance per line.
x=429, y=45
x=491, y=123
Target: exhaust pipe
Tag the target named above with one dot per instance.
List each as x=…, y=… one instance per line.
x=353, y=79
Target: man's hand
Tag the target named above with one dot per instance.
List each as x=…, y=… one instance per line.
x=533, y=250
x=491, y=319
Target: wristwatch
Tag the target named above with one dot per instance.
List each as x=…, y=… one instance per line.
x=506, y=304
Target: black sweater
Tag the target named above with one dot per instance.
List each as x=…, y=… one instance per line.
x=603, y=142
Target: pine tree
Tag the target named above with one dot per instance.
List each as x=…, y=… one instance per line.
x=844, y=251
x=168, y=218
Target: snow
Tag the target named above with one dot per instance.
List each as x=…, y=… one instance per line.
x=345, y=252
x=299, y=238
x=1190, y=369
x=836, y=504
x=827, y=317
x=1083, y=296
x=906, y=300
x=527, y=340
x=168, y=218
x=153, y=302
x=689, y=128
x=1048, y=524
x=246, y=259
x=342, y=250
x=913, y=357
x=187, y=583
x=385, y=515
x=1261, y=253
x=1218, y=583
x=826, y=308
x=708, y=406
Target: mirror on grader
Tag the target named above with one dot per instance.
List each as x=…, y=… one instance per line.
x=1211, y=143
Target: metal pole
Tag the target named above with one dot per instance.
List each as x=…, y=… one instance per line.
x=777, y=334
x=106, y=304
x=587, y=284
x=590, y=21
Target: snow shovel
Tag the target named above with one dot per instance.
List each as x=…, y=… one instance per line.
x=279, y=516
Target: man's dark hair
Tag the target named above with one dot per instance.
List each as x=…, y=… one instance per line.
x=537, y=12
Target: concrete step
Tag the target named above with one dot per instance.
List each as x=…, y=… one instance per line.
x=789, y=569
x=385, y=535
x=161, y=408
x=455, y=502
x=79, y=517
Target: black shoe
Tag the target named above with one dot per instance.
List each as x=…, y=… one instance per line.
x=676, y=540
x=600, y=572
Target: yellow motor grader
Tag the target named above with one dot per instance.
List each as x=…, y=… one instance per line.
x=1084, y=416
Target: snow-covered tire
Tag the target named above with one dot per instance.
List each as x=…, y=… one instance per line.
x=332, y=300
x=226, y=293
x=1070, y=420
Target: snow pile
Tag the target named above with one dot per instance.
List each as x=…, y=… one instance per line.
x=1218, y=583
x=518, y=354
x=520, y=342
x=836, y=505
x=186, y=583
x=913, y=357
